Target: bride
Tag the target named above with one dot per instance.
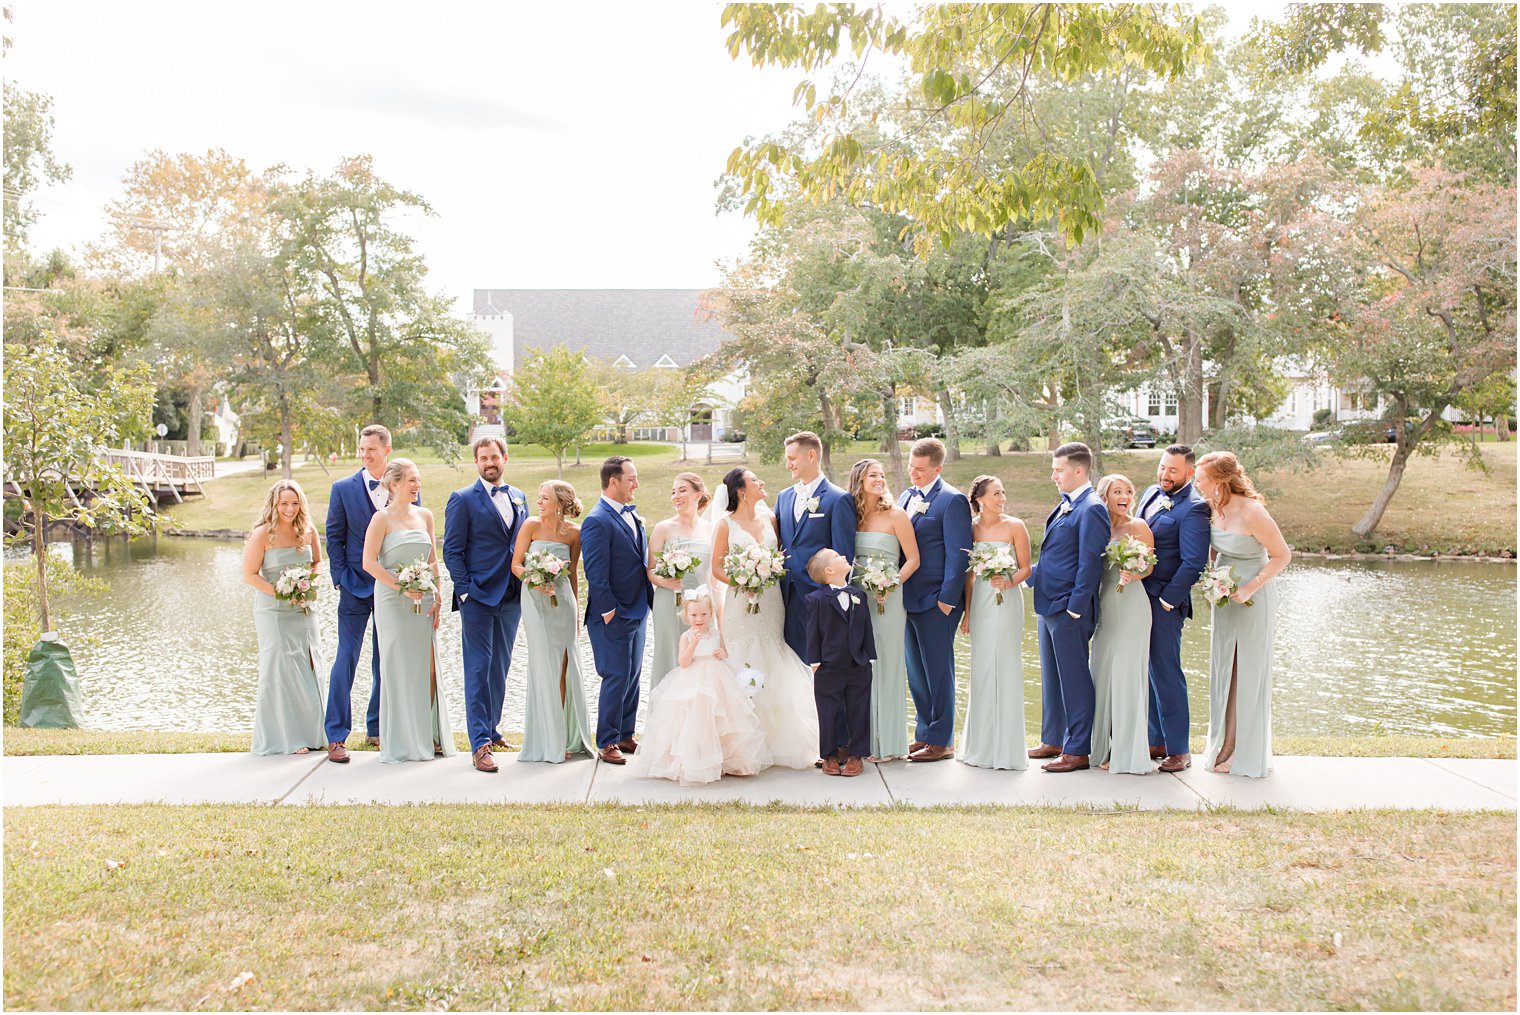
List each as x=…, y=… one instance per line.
x=785, y=705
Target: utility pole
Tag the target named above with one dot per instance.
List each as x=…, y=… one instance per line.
x=158, y=229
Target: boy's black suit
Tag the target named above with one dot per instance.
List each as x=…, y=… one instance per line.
x=840, y=641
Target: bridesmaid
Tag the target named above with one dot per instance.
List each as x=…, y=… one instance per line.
x=1121, y=645
x=1245, y=537
x=883, y=532
x=287, y=718
x=994, y=736
x=554, y=718
x=414, y=724
x=686, y=528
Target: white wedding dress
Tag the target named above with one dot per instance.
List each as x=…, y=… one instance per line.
x=785, y=706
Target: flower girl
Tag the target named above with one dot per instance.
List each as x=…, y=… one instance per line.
x=701, y=724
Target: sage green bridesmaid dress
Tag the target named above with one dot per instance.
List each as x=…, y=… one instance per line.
x=1242, y=635
x=552, y=726
x=1121, y=655
x=412, y=718
x=668, y=626
x=889, y=674
x=287, y=715
x=994, y=733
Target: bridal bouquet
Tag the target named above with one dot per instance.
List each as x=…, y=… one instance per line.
x=1129, y=554
x=675, y=562
x=297, y=586
x=1218, y=583
x=753, y=569
x=879, y=578
x=750, y=680
x=988, y=562
x=542, y=570
x=416, y=577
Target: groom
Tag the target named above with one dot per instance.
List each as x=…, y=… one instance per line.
x=813, y=515
x=1179, y=520
x=615, y=553
x=480, y=529
x=1066, y=582
x=934, y=597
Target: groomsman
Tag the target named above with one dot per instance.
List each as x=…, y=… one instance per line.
x=614, y=552
x=934, y=597
x=1179, y=520
x=353, y=502
x=1066, y=582
x=480, y=529
x=813, y=514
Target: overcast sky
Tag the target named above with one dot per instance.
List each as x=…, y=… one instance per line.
x=561, y=145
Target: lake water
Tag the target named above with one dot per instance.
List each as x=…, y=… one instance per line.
x=1363, y=647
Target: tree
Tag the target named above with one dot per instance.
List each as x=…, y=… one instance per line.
x=55, y=430
x=29, y=160
x=554, y=401
x=972, y=65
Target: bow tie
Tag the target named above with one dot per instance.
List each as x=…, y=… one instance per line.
x=916, y=492
x=373, y=483
x=629, y=509
x=498, y=489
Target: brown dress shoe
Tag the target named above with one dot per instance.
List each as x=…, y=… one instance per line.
x=831, y=765
x=1157, y=753
x=854, y=766
x=337, y=752
x=916, y=745
x=483, y=760
x=500, y=745
x=1067, y=763
x=629, y=746
x=932, y=752
x=611, y=755
x=373, y=742
x=1045, y=751
x=1175, y=763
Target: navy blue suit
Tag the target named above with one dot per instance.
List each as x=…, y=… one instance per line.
x=349, y=511
x=1182, y=552
x=832, y=527
x=616, y=579
x=1066, y=580
x=477, y=549
x=943, y=532
x=843, y=645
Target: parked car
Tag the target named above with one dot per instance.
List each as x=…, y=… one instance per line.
x=732, y=436
x=1359, y=431
x=1132, y=433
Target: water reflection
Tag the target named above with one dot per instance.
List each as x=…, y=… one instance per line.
x=1363, y=647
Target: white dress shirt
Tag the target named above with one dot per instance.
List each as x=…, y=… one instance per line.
x=844, y=597
x=628, y=519
x=502, y=502
x=377, y=494
x=804, y=493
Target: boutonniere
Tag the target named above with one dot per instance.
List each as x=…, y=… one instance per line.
x=520, y=501
x=812, y=504
x=1065, y=508
x=918, y=507
x=1165, y=503
x=855, y=599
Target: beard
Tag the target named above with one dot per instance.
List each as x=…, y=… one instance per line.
x=490, y=473
x=1169, y=486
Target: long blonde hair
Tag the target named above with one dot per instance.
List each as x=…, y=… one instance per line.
x=858, y=490
x=270, y=517
x=1107, y=483
x=1230, y=480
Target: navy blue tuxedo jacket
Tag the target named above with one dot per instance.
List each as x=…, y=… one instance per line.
x=349, y=511
x=1070, y=568
x=944, y=548
x=1182, y=546
x=839, y=639
x=616, y=565
x=832, y=526
x=478, y=544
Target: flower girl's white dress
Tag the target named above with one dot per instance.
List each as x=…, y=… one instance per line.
x=701, y=724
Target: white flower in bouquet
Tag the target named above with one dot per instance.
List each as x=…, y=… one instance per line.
x=297, y=586
x=542, y=570
x=878, y=578
x=751, y=680
x=988, y=562
x=1217, y=584
x=753, y=569
x=1129, y=554
x=417, y=577
x=676, y=563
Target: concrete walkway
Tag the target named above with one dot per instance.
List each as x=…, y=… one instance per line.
x=1297, y=783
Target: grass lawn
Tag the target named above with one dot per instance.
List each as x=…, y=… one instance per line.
x=738, y=908
x=21, y=742
x=1315, y=509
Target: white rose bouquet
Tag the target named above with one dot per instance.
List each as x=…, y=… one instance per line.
x=542, y=570
x=753, y=569
x=417, y=577
x=675, y=562
x=297, y=586
x=877, y=577
x=1129, y=554
x=1218, y=583
x=988, y=562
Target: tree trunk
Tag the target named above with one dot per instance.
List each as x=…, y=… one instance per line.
x=1053, y=435
x=1190, y=395
x=194, y=413
x=39, y=554
x=287, y=442
x=1501, y=427
x=1218, y=394
x=895, y=466
x=559, y=463
x=952, y=430
x=1374, y=515
x=994, y=448
x=826, y=458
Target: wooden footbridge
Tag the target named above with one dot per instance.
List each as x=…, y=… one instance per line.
x=161, y=478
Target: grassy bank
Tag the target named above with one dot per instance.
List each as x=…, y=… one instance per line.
x=1316, y=509
x=692, y=908
x=24, y=742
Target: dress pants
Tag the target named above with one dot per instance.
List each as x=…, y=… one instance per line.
x=487, y=634
x=354, y=614
x=929, y=643
x=1067, y=697
x=618, y=648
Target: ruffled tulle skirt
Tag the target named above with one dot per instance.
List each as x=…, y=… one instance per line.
x=701, y=726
